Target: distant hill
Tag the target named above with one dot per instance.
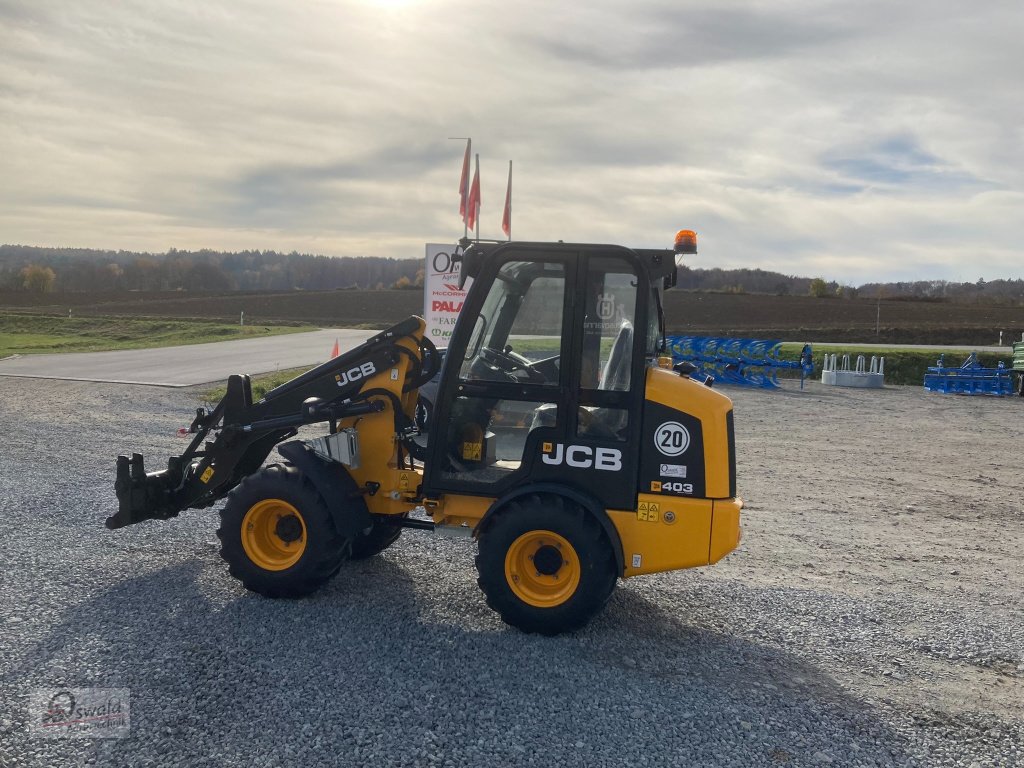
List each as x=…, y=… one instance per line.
x=62, y=270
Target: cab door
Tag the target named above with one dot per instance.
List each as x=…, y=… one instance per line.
x=504, y=392
x=544, y=377
x=600, y=451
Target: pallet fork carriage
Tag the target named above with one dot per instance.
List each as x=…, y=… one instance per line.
x=559, y=438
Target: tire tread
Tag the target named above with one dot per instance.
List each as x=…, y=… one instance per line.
x=333, y=549
x=587, y=535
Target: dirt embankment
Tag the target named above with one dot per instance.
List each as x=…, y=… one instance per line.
x=790, y=318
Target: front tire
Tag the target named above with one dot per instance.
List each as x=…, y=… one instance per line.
x=277, y=535
x=545, y=565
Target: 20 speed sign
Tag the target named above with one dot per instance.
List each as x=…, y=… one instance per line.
x=672, y=438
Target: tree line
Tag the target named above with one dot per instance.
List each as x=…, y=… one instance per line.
x=43, y=270
x=79, y=269
x=764, y=281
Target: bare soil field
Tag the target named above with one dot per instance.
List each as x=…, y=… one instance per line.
x=804, y=318
x=871, y=616
x=789, y=318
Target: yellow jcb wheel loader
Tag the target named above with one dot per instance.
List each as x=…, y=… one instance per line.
x=559, y=437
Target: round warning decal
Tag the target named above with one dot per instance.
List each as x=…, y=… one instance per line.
x=671, y=438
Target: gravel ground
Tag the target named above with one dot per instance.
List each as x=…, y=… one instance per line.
x=872, y=616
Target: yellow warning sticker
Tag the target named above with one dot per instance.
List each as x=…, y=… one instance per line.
x=648, y=511
x=655, y=486
x=403, y=482
x=548, y=448
x=471, y=451
x=207, y=474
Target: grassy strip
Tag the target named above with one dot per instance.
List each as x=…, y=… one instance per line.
x=902, y=366
x=24, y=334
x=261, y=384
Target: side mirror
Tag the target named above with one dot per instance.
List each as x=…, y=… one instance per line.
x=671, y=279
x=472, y=260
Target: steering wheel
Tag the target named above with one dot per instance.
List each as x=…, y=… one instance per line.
x=508, y=362
x=501, y=359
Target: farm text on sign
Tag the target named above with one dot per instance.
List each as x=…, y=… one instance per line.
x=442, y=298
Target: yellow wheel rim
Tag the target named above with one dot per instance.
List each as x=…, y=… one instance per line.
x=273, y=534
x=542, y=569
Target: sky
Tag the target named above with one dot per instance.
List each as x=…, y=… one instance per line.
x=857, y=140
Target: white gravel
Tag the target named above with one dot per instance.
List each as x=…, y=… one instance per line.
x=872, y=617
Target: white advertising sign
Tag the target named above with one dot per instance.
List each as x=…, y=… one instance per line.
x=442, y=298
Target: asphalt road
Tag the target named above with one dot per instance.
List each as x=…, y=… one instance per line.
x=189, y=365
x=193, y=364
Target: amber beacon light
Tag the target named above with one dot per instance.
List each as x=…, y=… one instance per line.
x=686, y=241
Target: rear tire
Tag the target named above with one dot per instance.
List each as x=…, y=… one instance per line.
x=1020, y=384
x=545, y=565
x=277, y=535
x=380, y=537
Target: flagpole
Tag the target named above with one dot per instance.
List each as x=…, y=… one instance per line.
x=508, y=201
x=477, y=203
x=465, y=181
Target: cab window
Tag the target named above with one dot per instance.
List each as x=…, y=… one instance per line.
x=518, y=334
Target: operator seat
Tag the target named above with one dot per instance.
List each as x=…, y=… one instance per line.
x=615, y=375
x=601, y=422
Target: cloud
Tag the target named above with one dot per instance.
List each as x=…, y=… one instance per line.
x=673, y=35
x=858, y=140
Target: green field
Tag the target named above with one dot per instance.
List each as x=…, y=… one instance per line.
x=23, y=334
x=261, y=384
x=902, y=366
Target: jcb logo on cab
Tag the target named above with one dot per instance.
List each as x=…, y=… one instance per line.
x=583, y=456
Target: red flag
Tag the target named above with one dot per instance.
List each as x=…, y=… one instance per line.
x=506, y=216
x=473, y=204
x=464, y=182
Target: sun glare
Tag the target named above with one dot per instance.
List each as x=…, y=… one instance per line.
x=389, y=4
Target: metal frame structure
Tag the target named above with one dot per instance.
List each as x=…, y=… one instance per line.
x=970, y=378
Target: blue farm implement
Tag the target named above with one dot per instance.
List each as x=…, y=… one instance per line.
x=1018, y=364
x=743, y=362
x=971, y=378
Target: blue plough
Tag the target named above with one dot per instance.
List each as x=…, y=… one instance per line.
x=743, y=362
x=969, y=379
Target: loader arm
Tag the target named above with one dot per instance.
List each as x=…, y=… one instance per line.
x=234, y=439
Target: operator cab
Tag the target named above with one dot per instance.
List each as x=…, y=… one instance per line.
x=547, y=382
